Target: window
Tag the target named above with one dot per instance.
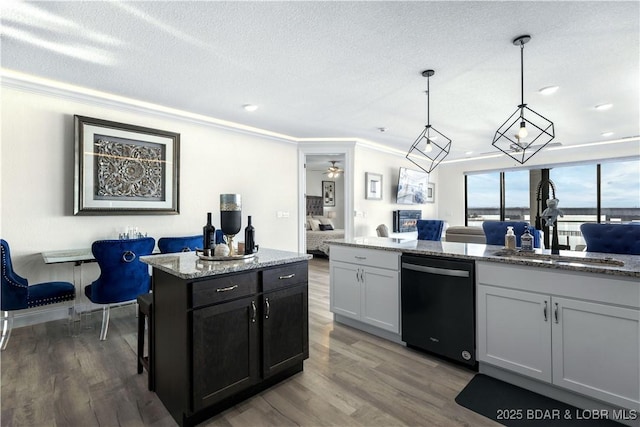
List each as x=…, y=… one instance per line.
x=483, y=198
x=620, y=191
x=577, y=190
x=516, y=196
x=607, y=192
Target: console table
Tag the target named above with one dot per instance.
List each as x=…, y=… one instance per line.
x=226, y=330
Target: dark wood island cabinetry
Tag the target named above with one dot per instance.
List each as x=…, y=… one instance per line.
x=226, y=330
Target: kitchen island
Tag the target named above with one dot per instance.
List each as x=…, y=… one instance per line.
x=567, y=325
x=226, y=330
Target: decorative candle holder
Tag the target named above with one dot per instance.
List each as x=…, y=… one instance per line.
x=230, y=217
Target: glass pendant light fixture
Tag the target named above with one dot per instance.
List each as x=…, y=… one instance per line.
x=425, y=152
x=525, y=132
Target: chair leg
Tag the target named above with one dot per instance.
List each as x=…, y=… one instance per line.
x=105, y=322
x=7, y=326
x=141, y=321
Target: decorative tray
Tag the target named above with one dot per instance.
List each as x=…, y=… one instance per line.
x=223, y=258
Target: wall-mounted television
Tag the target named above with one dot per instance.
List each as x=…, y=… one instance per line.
x=412, y=187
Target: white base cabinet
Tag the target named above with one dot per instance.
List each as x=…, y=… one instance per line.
x=365, y=286
x=577, y=331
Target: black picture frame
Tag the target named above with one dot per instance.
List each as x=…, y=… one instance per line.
x=328, y=193
x=123, y=169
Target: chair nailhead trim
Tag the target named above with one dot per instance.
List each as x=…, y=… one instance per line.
x=52, y=300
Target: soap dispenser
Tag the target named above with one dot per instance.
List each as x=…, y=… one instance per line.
x=510, y=239
x=526, y=240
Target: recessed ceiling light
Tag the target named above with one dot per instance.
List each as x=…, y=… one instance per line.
x=603, y=107
x=250, y=107
x=468, y=153
x=605, y=134
x=548, y=90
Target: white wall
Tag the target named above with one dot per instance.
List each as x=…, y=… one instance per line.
x=37, y=173
x=371, y=213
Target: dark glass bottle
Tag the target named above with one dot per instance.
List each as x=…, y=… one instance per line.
x=249, y=238
x=209, y=234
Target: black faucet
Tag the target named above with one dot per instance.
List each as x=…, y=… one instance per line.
x=555, y=245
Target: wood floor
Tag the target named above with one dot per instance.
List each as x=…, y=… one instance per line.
x=350, y=379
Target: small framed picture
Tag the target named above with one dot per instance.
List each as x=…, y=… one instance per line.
x=328, y=193
x=373, y=186
x=431, y=192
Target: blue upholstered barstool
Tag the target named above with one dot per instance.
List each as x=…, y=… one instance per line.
x=18, y=295
x=494, y=232
x=430, y=229
x=612, y=238
x=122, y=276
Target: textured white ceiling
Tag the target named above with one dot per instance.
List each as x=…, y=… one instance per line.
x=345, y=69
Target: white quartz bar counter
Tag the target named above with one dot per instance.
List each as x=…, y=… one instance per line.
x=187, y=265
x=590, y=262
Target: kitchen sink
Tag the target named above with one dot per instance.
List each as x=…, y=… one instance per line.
x=557, y=259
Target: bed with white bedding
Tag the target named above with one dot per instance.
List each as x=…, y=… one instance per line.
x=319, y=229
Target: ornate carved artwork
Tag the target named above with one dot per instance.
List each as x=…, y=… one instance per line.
x=128, y=170
x=124, y=169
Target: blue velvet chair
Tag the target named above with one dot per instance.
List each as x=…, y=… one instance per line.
x=169, y=245
x=494, y=232
x=612, y=238
x=122, y=276
x=430, y=229
x=18, y=295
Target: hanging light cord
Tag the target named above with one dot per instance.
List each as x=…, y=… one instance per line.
x=428, y=120
x=521, y=79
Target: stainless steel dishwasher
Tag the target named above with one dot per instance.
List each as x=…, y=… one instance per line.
x=438, y=306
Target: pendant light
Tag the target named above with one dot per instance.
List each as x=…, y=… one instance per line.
x=431, y=146
x=525, y=132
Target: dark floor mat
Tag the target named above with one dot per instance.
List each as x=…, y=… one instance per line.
x=514, y=406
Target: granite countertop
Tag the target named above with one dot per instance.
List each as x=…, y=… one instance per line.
x=589, y=262
x=187, y=265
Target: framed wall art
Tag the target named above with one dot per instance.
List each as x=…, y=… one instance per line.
x=373, y=182
x=431, y=192
x=328, y=193
x=123, y=169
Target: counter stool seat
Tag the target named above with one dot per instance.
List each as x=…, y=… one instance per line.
x=145, y=312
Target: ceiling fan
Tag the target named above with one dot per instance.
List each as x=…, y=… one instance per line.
x=515, y=148
x=333, y=171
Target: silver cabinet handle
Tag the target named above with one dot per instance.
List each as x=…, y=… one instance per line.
x=268, y=308
x=253, y=312
x=229, y=288
x=288, y=276
x=555, y=312
x=545, y=311
x=360, y=257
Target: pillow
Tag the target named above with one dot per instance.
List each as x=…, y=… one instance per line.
x=315, y=224
x=324, y=220
x=324, y=227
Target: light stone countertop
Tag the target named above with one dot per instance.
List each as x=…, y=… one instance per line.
x=588, y=262
x=187, y=265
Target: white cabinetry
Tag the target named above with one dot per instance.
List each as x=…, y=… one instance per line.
x=365, y=286
x=577, y=331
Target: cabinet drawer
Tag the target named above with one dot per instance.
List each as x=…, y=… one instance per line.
x=286, y=275
x=369, y=257
x=224, y=288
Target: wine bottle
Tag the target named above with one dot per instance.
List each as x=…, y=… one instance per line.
x=249, y=238
x=209, y=234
